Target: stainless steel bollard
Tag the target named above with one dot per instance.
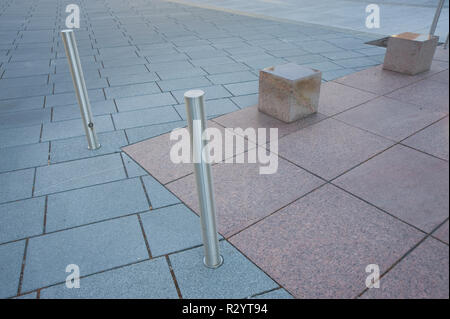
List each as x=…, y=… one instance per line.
x=197, y=124
x=436, y=17
x=73, y=59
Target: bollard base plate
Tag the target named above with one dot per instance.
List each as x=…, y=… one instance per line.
x=216, y=266
x=94, y=148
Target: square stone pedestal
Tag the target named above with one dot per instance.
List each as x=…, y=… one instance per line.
x=410, y=53
x=289, y=92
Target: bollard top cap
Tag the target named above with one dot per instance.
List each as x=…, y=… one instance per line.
x=193, y=94
x=66, y=30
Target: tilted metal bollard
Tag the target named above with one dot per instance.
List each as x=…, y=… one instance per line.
x=436, y=17
x=197, y=125
x=73, y=59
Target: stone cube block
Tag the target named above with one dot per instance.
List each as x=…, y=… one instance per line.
x=410, y=53
x=289, y=92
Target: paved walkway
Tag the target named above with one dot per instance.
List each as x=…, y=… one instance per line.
x=396, y=16
x=61, y=204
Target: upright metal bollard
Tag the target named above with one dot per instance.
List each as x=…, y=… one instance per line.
x=73, y=59
x=197, y=125
x=436, y=17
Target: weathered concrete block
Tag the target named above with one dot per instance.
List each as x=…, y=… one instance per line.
x=410, y=53
x=289, y=92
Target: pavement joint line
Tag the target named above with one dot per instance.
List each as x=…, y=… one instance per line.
x=124, y=166
x=146, y=193
x=144, y=237
x=267, y=291
x=174, y=278
x=22, y=269
x=45, y=215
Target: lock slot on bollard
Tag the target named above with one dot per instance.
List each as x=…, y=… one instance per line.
x=79, y=84
x=196, y=119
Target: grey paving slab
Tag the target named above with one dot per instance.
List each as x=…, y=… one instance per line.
x=80, y=173
x=145, y=101
x=133, y=169
x=25, y=156
x=16, y=185
x=21, y=104
x=19, y=136
x=419, y=180
x=329, y=148
x=211, y=92
x=171, y=229
x=245, y=100
x=21, y=219
x=356, y=62
x=421, y=274
x=145, y=117
x=26, y=91
x=11, y=256
x=232, y=77
x=225, y=68
x=442, y=233
x=23, y=81
x=334, y=74
x=24, y=118
x=342, y=55
x=236, y=278
x=158, y=194
x=243, y=88
x=95, y=203
x=123, y=70
x=71, y=128
x=144, y=280
x=323, y=66
x=389, y=118
x=91, y=83
x=117, y=80
x=141, y=133
x=304, y=59
x=213, y=108
x=185, y=83
x=32, y=295
x=69, y=112
x=186, y=72
x=93, y=248
x=70, y=98
x=326, y=237
x=275, y=294
x=131, y=90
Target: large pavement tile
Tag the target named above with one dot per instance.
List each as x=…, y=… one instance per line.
x=91, y=83
x=158, y=194
x=180, y=73
x=275, y=294
x=428, y=94
x=70, y=98
x=157, y=115
x=71, y=128
x=329, y=148
x=213, y=108
x=96, y=203
x=144, y=101
x=25, y=156
x=232, y=77
x=433, y=140
x=80, y=173
x=422, y=274
x=225, y=68
x=77, y=147
x=20, y=136
x=145, y=280
x=379, y=81
x=243, y=88
x=16, y=185
x=138, y=134
x=69, y=112
x=441, y=54
x=24, y=118
x=24, y=81
x=22, y=104
x=185, y=83
x=21, y=219
x=440, y=77
x=171, y=229
x=211, y=93
x=117, y=80
x=389, y=118
x=244, y=101
x=250, y=117
x=335, y=98
x=319, y=246
x=131, y=90
x=132, y=168
x=123, y=70
x=236, y=278
x=442, y=232
x=406, y=183
x=244, y=196
x=11, y=256
x=32, y=295
x=93, y=248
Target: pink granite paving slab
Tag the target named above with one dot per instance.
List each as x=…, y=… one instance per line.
x=243, y=196
x=154, y=156
x=251, y=117
x=421, y=274
x=330, y=147
x=406, y=183
x=389, y=118
x=381, y=82
x=320, y=245
x=433, y=140
x=441, y=54
x=440, y=77
x=428, y=94
x=442, y=232
x=336, y=97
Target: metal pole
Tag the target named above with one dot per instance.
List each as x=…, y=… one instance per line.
x=436, y=17
x=73, y=59
x=446, y=42
x=197, y=125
